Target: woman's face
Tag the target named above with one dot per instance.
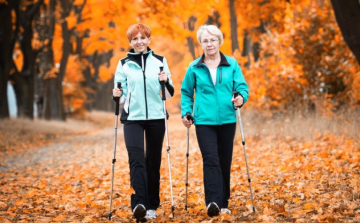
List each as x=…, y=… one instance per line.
x=140, y=43
x=210, y=43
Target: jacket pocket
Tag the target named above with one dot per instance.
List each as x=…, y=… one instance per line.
x=125, y=115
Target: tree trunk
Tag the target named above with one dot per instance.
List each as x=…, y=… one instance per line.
x=53, y=86
x=103, y=98
x=53, y=103
x=347, y=15
x=190, y=41
x=66, y=47
x=6, y=32
x=247, y=43
x=233, y=27
x=52, y=98
x=25, y=85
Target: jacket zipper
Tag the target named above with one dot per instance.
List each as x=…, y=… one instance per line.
x=143, y=70
x=220, y=76
x=209, y=74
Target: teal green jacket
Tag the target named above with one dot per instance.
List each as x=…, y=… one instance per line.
x=213, y=105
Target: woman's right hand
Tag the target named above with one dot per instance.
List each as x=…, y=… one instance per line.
x=187, y=123
x=117, y=92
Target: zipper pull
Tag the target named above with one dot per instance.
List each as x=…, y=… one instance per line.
x=142, y=62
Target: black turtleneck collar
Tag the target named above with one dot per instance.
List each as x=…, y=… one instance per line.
x=136, y=57
x=223, y=60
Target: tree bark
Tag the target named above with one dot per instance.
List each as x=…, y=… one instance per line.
x=347, y=15
x=233, y=27
x=24, y=80
x=190, y=41
x=103, y=96
x=53, y=100
x=247, y=43
x=52, y=108
x=6, y=32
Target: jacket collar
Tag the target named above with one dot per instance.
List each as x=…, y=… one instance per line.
x=223, y=60
x=139, y=58
x=132, y=52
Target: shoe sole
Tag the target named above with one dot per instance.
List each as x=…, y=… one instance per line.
x=140, y=212
x=213, y=210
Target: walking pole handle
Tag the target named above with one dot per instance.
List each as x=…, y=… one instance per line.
x=189, y=117
x=117, y=99
x=235, y=94
x=162, y=85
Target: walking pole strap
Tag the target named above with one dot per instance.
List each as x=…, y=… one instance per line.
x=162, y=86
x=117, y=100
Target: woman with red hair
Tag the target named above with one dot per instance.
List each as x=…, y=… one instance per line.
x=143, y=117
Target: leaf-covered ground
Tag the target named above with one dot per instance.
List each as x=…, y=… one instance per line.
x=60, y=172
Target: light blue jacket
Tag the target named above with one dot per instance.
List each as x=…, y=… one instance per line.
x=138, y=74
x=213, y=105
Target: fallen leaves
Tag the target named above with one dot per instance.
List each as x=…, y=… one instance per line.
x=292, y=180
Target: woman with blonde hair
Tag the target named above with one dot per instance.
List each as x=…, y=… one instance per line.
x=211, y=79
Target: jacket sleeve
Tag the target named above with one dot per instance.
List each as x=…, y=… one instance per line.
x=187, y=92
x=169, y=87
x=240, y=84
x=120, y=76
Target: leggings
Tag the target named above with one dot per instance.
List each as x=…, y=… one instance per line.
x=145, y=167
x=216, y=145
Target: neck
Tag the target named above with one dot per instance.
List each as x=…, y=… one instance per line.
x=212, y=57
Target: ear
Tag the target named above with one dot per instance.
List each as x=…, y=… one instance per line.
x=149, y=39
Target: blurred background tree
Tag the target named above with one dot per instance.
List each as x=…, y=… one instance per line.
x=296, y=55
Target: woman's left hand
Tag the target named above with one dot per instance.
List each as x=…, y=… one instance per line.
x=238, y=101
x=163, y=76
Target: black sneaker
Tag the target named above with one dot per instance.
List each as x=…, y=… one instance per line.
x=213, y=209
x=139, y=212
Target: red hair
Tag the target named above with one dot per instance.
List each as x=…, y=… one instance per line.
x=133, y=30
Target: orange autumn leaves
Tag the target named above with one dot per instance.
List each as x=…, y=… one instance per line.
x=293, y=179
x=303, y=61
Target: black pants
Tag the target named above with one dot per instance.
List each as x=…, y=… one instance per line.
x=216, y=145
x=145, y=169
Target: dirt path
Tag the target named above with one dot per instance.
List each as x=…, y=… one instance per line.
x=67, y=177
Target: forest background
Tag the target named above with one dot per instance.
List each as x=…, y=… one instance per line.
x=62, y=55
x=300, y=59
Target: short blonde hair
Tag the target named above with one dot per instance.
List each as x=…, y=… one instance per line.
x=213, y=30
x=133, y=30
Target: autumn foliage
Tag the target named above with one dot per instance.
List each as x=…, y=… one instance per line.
x=310, y=174
x=301, y=120
x=292, y=53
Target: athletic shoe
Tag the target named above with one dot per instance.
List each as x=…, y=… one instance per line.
x=151, y=214
x=225, y=211
x=213, y=209
x=139, y=211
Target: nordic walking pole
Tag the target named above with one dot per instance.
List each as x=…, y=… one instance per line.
x=117, y=101
x=235, y=93
x=167, y=141
x=189, y=117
